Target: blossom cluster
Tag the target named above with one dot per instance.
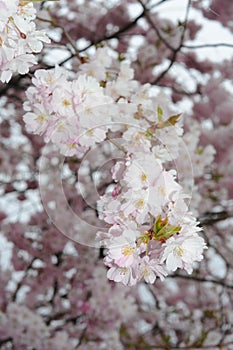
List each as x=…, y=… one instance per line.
x=71, y=114
x=54, y=292
x=19, y=38
x=23, y=326
x=86, y=299
x=151, y=230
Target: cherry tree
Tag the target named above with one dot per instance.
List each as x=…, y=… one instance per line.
x=116, y=184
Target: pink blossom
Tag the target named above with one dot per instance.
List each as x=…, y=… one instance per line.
x=182, y=252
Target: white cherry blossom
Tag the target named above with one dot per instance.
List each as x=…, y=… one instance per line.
x=19, y=38
x=182, y=252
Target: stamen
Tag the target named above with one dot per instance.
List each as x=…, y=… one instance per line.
x=22, y=35
x=128, y=250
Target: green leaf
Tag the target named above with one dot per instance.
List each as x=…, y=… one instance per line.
x=163, y=230
x=160, y=113
x=121, y=57
x=199, y=150
x=169, y=122
x=149, y=133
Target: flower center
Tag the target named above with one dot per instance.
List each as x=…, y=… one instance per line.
x=178, y=251
x=66, y=103
x=123, y=270
x=128, y=250
x=41, y=118
x=140, y=203
x=143, y=177
x=162, y=190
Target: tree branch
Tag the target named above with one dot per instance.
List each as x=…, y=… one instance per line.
x=202, y=280
x=203, y=46
x=146, y=11
x=5, y=341
x=108, y=37
x=173, y=59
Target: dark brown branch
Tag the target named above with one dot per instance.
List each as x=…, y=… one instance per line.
x=211, y=218
x=81, y=337
x=13, y=83
x=20, y=283
x=209, y=244
x=182, y=92
x=158, y=3
x=5, y=341
x=108, y=37
x=150, y=21
x=173, y=59
x=202, y=280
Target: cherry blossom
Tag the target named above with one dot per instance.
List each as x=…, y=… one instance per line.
x=181, y=253
x=116, y=175
x=19, y=39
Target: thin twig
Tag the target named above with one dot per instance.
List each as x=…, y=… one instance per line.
x=66, y=34
x=120, y=147
x=146, y=11
x=173, y=59
x=108, y=37
x=202, y=280
x=203, y=46
x=20, y=283
x=158, y=3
